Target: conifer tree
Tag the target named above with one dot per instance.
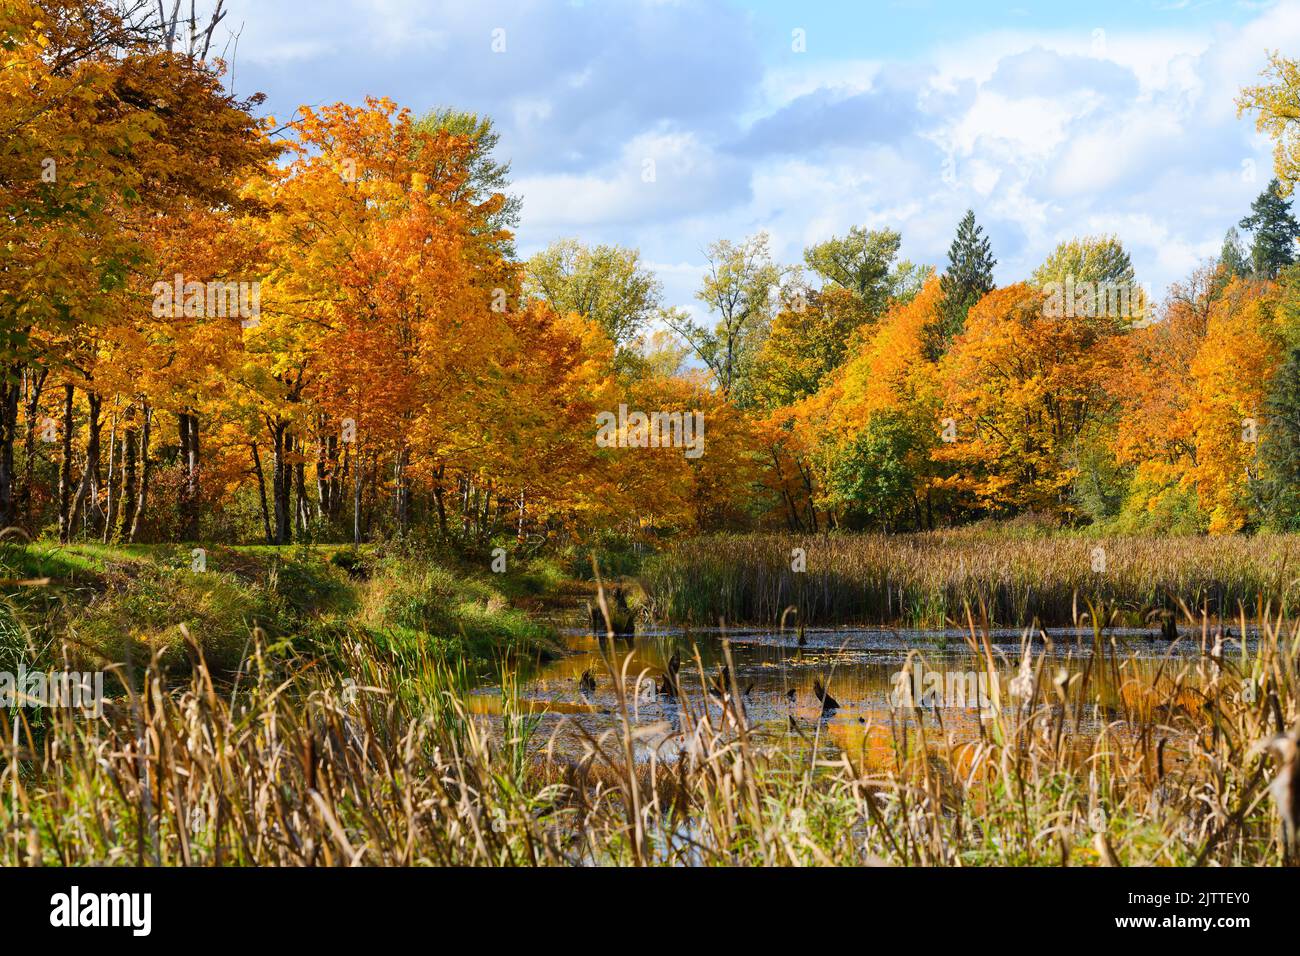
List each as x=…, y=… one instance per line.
x=1275, y=232
x=968, y=279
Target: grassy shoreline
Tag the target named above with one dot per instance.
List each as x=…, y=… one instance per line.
x=106, y=605
x=927, y=579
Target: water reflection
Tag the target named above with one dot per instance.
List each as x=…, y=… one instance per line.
x=775, y=672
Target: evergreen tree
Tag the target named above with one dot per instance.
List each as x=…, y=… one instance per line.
x=1275, y=232
x=968, y=279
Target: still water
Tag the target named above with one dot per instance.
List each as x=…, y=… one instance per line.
x=860, y=669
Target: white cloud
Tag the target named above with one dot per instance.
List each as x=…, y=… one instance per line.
x=658, y=176
x=1055, y=132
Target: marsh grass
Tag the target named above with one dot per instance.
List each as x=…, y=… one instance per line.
x=379, y=761
x=925, y=580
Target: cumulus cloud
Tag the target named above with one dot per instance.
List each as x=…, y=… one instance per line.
x=1039, y=72
x=833, y=116
x=657, y=177
x=1046, y=133
x=568, y=83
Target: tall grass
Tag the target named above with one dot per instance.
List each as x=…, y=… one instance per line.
x=926, y=579
x=380, y=762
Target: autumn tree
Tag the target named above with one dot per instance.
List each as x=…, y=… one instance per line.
x=377, y=254
x=1022, y=388
x=1093, y=277
x=1231, y=375
x=811, y=335
x=109, y=128
x=1277, y=105
x=870, y=432
x=658, y=353
x=1154, y=437
x=485, y=175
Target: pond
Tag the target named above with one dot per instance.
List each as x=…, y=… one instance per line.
x=864, y=673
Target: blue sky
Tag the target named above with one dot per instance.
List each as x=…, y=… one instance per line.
x=1050, y=120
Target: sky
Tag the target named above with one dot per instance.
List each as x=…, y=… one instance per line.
x=1050, y=120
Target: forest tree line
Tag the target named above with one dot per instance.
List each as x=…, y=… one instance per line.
x=400, y=369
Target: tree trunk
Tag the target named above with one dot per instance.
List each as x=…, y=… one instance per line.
x=143, y=498
x=94, y=513
x=280, y=482
x=303, y=510
x=9, y=390
x=188, y=424
x=79, y=507
x=334, y=484
x=23, y=510
x=806, y=476
x=401, y=493
x=323, y=473
x=65, y=465
x=114, y=477
x=340, y=480
x=261, y=492
x=440, y=502
x=183, y=458
x=130, y=443
x=356, y=499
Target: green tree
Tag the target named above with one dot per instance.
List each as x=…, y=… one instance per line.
x=907, y=279
x=1274, y=230
x=606, y=284
x=1101, y=272
x=872, y=478
x=657, y=354
x=1100, y=482
x=863, y=263
x=968, y=279
x=1280, y=450
x=737, y=288
x=1094, y=275
x=1090, y=259
x=1278, y=485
